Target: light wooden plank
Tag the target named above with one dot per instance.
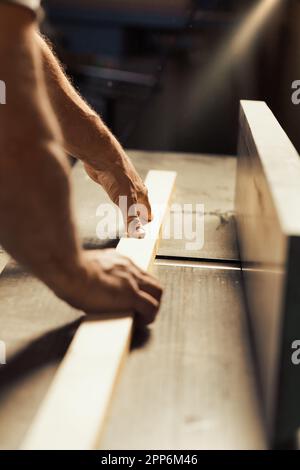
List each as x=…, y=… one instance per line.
x=268, y=221
x=73, y=412
x=3, y=259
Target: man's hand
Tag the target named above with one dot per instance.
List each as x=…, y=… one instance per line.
x=128, y=183
x=111, y=283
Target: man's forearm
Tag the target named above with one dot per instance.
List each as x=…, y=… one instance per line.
x=36, y=218
x=85, y=134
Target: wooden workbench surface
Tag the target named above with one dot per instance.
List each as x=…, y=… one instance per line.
x=191, y=383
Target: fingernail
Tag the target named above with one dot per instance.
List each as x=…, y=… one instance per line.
x=140, y=233
x=137, y=233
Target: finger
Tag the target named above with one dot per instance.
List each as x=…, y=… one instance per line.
x=140, y=209
x=145, y=210
x=151, y=286
x=146, y=307
x=145, y=281
x=91, y=172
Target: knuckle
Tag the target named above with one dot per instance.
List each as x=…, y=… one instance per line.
x=130, y=285
x=125, y=260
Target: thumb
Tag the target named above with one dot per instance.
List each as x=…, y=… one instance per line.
x=135, y=228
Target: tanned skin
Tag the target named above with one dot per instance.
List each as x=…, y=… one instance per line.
x=44, y=118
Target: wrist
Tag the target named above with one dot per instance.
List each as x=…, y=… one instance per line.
x=96, y=146
x=66, y=277
x=75, y=283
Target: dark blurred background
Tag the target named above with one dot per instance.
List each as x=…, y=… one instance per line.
x=168, y=74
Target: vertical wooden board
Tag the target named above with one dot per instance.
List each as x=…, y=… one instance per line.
x=268, y=221
x=73, y=412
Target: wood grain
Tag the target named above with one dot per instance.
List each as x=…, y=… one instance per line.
x=268, y=220
x=190, y=383
x=91, y=366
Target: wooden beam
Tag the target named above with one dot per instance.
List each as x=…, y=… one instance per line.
x=268, y=221
x=74, y=410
